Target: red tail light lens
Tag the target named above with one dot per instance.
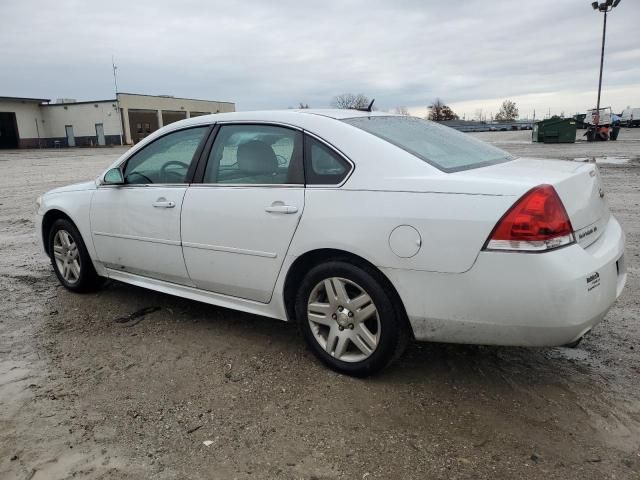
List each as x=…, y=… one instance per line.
x=537, y=222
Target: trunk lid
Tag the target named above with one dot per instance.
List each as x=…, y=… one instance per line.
x=578, y=184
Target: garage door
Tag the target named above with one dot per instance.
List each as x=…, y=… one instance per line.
x=8, y=130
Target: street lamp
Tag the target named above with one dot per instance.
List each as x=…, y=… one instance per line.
x=605, y=7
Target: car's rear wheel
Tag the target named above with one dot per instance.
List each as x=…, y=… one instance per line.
x=348, y=319
x=70, y=258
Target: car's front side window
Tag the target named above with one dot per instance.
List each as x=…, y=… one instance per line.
x=255, y=154
x=166, y=160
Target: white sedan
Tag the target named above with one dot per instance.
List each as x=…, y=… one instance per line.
x=367, y=229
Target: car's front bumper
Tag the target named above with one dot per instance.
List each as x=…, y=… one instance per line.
x=38, y=223
x=542, y=299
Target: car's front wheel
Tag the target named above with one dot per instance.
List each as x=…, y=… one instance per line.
x=348, y=318
x=70, y=258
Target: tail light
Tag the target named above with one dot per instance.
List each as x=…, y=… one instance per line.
x=537, y=222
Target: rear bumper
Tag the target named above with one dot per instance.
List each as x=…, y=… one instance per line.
x=543, y=299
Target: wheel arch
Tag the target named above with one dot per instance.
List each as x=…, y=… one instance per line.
x=310, y=259
x=47, y=222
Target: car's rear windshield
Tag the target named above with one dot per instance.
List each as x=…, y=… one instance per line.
x=443, y=147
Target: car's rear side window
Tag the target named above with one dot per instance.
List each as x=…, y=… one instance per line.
x=322, y=165
x=443, y=147
x=255, y=154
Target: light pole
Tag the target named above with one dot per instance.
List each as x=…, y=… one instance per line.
x=115, y=82
x=605, y=7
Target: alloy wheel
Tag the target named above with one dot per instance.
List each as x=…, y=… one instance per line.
x=66, y=256
x=343, y=319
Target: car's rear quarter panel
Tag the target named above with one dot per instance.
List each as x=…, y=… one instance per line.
x=452, y=227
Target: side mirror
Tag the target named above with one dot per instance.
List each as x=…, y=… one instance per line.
x=113, y=177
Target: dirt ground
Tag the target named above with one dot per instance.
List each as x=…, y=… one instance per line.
x=83, y=396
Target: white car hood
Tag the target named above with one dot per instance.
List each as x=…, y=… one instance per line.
x=75, y=187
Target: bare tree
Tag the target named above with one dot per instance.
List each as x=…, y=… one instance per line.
x=402, y=111
x=350, y=100
x=478, y=115
x=438, y=112
x=508, y=111
x=303, y=105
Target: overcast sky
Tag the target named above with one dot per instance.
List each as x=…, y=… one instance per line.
x=273, y=54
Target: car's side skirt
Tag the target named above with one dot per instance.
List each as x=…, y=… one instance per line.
x=212, y=298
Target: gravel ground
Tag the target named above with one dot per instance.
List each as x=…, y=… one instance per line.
x=83, y=396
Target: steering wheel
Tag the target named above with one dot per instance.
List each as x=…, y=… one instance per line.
x=140, y=175
x=164, y=173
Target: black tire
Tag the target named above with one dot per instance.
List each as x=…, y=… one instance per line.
x=574, y=344
x=393, y=334
x=88, y=280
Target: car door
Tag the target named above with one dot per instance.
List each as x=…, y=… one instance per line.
x=237, y=223
x=136, y=226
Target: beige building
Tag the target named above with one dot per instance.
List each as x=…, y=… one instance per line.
x=36, y=122
x=20, y=122
x=143, y=114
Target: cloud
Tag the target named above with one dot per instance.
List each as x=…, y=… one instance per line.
x=275, y=54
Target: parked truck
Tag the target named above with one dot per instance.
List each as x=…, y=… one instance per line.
x=631, y=117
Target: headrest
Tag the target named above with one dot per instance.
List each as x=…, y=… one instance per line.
x=256, y=157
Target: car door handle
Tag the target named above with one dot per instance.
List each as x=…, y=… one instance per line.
x=163, y=204
x=278, y=207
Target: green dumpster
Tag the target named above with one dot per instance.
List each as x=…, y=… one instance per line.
x=555, y=130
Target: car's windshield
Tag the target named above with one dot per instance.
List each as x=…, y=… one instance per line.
x=443, y=147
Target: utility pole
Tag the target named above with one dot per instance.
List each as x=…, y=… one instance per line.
x=115, y=83
x=604, y=35
x=604, y=7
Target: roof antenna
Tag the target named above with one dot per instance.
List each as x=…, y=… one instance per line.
x=366, y=109
x=370, y=107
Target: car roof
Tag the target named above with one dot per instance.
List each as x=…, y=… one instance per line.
x=360, y=147
x=315, y=121
x=265, y=115
x=341, y=113
x=325, y=123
